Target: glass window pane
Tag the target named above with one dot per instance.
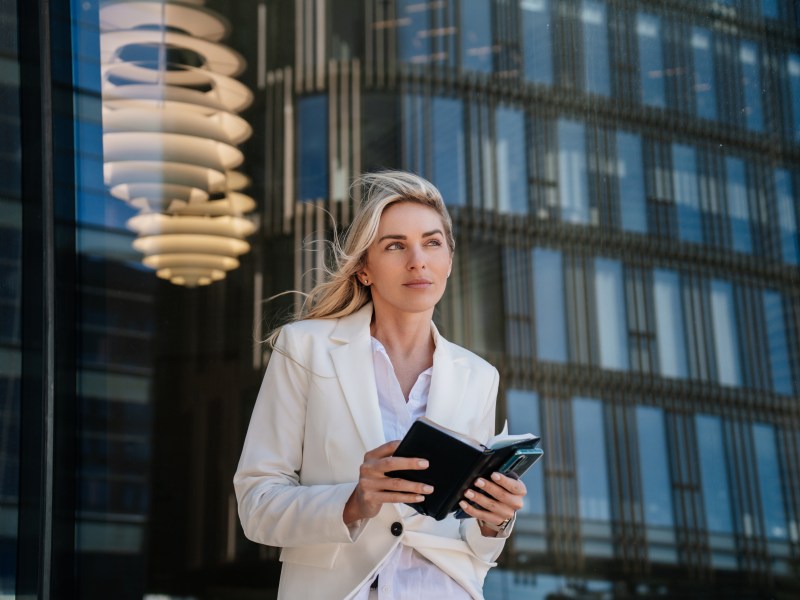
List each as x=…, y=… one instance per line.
x=793, y=68
x=714, y=474
x=726, y=342
x=630, y=169
x=704, y=86
x=776, y=338
x=548, y=288
x=651, y=60
x=537, y=41
x=656, y=485
x=449, y=173
x=769, y=481
x=769, y=8
x=476, y=35
x=595, y=47
x=413, y=28
x=572, y=173
x=751, y=85
x=738, y=209
x=687, y=195
x=611, y=322
x=787, y=216
x=312, y=147
x=512, y=179
x=591, y=470
x=523, y=417
x=669, y=324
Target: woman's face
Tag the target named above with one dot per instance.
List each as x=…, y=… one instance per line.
x=409, y=261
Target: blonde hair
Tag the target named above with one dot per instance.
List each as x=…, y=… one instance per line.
x=341, y=293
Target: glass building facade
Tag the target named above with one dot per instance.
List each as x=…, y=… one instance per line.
x=624, y=181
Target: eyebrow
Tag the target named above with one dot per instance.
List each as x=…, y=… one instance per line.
x=397, y=236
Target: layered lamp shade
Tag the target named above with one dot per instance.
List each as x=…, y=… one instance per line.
x=170, y=135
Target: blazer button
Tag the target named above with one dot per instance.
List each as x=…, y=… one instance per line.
x=396, y=529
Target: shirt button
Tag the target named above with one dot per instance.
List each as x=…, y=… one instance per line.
x=386, y=589
x=396, y=528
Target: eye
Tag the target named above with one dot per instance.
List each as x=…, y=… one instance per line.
x=434, y=242
x=395, y=246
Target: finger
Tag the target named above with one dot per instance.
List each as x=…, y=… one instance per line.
x=382, y=451
x=478, y=513
x=499, y=493
x=398, y=463
x=515, y=486
x=396, y=484
x=388, y=497
x=491, y=505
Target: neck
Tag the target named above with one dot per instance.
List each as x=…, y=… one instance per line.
x=403, y=334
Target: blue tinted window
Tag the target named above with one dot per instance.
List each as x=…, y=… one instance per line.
x=705, y=93
x=572, y=175
x=537, y=41
x=776, y=338
x=787, y=217
x=448, y=149
x=769, y=8
x=751, y=84
x=595, y=47
x=312, y=147
x=793, y=68
x=611, y=322
x=669, y=324
x=523, y=417
x=548, y=289
x=714, y=474
x=476, y=35
x=687, y=194
x=656, y=485
x=651, y=60
x=413, y=29
x=769, y=481
x=591, y=470
x=738, y=209
x=726, y=340
x=631, y=182
x=512, y=178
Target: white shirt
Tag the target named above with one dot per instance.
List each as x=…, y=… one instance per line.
x=405, y=573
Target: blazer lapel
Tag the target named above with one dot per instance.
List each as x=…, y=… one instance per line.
x=448, y=385
x=354, y=368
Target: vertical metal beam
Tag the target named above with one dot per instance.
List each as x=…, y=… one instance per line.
x=34, y=552
x=45, y=552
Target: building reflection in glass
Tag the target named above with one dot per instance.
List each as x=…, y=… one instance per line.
x=623, y=180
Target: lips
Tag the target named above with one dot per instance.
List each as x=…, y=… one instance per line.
x=418, y=283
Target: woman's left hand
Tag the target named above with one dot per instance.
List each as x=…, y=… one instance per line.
x=497, y=501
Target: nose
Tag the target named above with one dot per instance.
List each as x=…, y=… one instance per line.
x=416, y=258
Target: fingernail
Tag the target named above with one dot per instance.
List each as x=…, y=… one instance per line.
x=423, y=463
x=427, y=489
x=420, y=498
x=480, y=483
x=496, y=476
x=463, y=504
x=469, y=494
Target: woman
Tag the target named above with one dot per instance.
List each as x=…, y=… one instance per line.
x=343, y=385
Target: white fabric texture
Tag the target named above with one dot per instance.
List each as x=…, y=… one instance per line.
x=404, y=573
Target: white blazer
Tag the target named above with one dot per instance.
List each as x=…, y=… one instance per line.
x=316, y=415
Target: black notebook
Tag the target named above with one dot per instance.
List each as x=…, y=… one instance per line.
x=456, y=461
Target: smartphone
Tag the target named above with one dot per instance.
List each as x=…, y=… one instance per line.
x=519, y=462
x=515, y=467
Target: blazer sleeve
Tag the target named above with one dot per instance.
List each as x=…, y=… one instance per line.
x=485, y=548
x=274, y=508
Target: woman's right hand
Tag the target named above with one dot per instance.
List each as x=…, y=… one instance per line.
x=374, y=488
